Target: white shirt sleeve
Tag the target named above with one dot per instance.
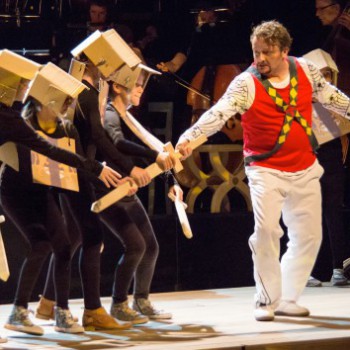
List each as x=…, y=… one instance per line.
x=238, y=98
x=327, y=94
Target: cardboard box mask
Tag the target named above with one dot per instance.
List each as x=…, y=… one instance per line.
x=52, y=86
x=14, y=68
x=107, y=51
x=322, y=59
x=128, y=77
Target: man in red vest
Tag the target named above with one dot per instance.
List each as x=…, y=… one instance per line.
x=274, y=97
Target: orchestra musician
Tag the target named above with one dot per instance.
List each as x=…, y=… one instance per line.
x=336, y=15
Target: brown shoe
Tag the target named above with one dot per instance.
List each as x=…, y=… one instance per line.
x=99, y=319
x=45, y=309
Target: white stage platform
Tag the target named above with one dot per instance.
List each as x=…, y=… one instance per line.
x=208, y=319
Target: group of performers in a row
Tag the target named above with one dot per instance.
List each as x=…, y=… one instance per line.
x=58, y=222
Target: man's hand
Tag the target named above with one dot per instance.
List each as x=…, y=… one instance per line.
x=174, y=64
x=165, y=160
x=109, y=176
x=184, y=149
x=140, y=176
x=344, y=20
x=162, y=66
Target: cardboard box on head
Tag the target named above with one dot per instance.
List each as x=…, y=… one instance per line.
x=14, y=68
x=107, y=51
x=322, y=60
x=129, y=77
x=326, y=125
x=52, y=86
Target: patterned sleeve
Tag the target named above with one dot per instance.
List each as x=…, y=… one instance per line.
x=327, y=94
x=238, y=98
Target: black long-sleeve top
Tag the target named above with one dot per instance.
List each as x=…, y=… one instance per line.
x=14, y=128
x=114, y=127
x=93, y=137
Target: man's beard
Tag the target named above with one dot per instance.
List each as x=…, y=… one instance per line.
x=264, y=69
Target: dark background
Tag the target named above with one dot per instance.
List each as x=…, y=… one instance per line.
x=29, y=29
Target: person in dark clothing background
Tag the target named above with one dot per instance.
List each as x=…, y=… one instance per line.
x=336, y=16
x=332, y=154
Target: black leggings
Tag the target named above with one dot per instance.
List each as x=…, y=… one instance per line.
x=83, y=227
x=37, y=216
x=332, y=186
x=128, y=221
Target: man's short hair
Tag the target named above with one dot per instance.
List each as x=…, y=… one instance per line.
x=273, y=33
x=100, y=3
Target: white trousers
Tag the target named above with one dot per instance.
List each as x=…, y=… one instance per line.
x=297, y=196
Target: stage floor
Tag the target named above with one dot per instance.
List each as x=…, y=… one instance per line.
x=209, y=319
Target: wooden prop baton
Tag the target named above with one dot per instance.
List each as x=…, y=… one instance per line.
x=4, y=268
x=153, y=171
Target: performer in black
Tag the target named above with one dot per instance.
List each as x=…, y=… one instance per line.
x=333, y=154
x=77, y=213
x=127, y=219
x=13, y=128
x=33, y=208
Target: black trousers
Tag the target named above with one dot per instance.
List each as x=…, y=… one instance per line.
x=86, y=235
x=333, y=188
x=129, y=222
x=37, y=216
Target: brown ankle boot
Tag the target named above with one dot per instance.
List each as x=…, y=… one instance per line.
x=45, y=309
x=100, y=319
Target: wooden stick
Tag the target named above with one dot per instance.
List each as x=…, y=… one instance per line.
x=4, y=268
x=181, y=207
x=153, y=170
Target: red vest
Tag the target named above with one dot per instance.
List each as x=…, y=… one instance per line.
x=262, y=124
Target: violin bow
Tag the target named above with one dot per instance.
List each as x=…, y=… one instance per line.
x=188, y=86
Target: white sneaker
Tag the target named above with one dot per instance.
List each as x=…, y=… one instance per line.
x=3, y=340
x=144, y=307
x=65, y=322
x=19, y=321
x=338, y=278
x=122, y=312
x=313, y=282
x=264, y=312
x=291, y=308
